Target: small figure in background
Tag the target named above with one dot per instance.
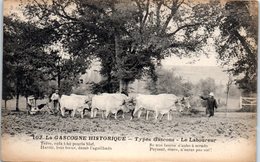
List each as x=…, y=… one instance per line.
x=55, y=98
x=31, y=106
x=211, y=104
x=30, y=103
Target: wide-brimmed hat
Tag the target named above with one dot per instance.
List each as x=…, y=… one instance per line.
x=211, y=94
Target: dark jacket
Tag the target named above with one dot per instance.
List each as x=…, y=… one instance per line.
x=211, y=102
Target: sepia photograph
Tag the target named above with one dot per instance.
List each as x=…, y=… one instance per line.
x=129, y=80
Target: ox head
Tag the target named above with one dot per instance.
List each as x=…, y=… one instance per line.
x=87, y=103
x=185, y=101
x=183, y=104
x=128, y=105
x=87, y=99
x=86, y=106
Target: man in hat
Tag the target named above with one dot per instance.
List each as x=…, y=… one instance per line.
x=55, y=97
x=211, y=103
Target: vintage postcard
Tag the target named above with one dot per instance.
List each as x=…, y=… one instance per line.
x=129, y=80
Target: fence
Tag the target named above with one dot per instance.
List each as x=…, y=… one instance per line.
x=247, y=101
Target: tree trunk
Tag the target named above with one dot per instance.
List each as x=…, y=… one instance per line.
x=227, y=100
x=126, y=86
x=17, y=92
x=5, y=104
x=26, y=102
x=17, y=102
x=59, y=79
x=117, y=59
x=121, y=86
x=227, y=96
x=109, y=87
x=58, y=68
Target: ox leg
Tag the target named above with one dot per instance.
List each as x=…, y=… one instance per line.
x=92, y=113
x=115, y=115
x=135, y=111
x=82, y=114
x=147, y=114
x=169, y=115
x=161, y=116
x=62, y=109
x=95, y=112
x=73, y=113
x=107, y=113
x=139, y=113
x=156, y=115
x=132, y=114
x=103, y=114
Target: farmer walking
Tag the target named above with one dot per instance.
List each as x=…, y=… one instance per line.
x=55, y=97
x=211, y=103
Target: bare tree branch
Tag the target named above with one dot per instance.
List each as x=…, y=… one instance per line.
x=174, y=8
x=182, y=27
x=158, y=15
x=64, y=14
x=146, y=11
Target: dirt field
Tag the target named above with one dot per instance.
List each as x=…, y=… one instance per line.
x=224, y=126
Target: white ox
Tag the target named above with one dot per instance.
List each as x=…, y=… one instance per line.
x=160, y=104
x=74, y=103
x=110, y=103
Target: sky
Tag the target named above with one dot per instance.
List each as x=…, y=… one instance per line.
x=201, y=61
x=207, y=56
x=9, y=4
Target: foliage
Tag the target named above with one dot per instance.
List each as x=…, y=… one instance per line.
x=129, y=37
x=105, y=86
x=168, y=82
x=29, y=63
x=67, y=85
x=237, y=43
x=25, y=61
x=205, y=86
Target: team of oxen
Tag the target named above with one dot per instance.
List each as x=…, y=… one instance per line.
x=117, y=103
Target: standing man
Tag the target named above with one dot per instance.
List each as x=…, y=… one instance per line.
x=55, y=97
x=211, y=103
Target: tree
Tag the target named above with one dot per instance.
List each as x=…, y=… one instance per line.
x=129, y=37
x=237, y=43
x=8, y=90
x=229, y=84
x=24, y=58
x=168, y=82
x=205, y=86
